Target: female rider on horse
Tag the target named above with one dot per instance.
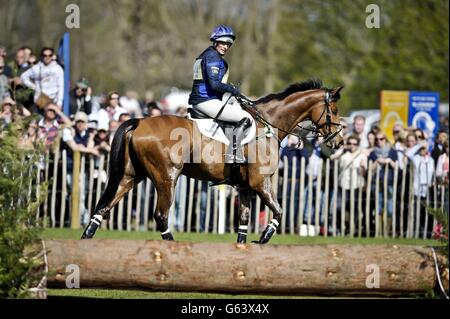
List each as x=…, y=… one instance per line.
x=210, y=85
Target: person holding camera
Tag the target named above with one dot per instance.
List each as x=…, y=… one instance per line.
x=352, y=163
x=80, y=98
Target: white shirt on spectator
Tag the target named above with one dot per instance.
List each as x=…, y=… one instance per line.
x=118, y=111
x=423, y=174
x=350, y=165
x=442, y=166
x=48, y=78
x=104, y=117
x=131, y=105
x=405, y=154
x=67, y=135
x=313, y=165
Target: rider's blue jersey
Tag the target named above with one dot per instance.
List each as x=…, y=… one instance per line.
x=210, y=77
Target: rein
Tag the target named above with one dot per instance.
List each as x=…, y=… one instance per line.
x=249, y=106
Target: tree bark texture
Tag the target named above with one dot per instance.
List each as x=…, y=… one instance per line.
x=233, y=268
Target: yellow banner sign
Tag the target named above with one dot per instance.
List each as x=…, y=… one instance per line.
x=394, y=109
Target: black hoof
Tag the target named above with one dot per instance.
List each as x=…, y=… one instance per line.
x=267, y=234
x=242, y=239
x=86, y=235
x=167, y=236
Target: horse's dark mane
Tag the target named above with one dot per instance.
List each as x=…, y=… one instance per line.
x=293, y=88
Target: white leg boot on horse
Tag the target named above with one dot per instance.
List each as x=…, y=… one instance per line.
x=126, y=184
x=267, y=195
x=145, y=148
x=122, y=178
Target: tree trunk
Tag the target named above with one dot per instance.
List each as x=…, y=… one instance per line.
x=219, y=267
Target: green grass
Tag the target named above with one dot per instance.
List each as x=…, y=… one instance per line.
x=201, y=237
x=138, y=294
x=231, y=238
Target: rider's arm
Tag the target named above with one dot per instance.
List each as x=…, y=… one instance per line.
x=212, y=69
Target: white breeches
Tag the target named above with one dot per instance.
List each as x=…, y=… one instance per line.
x=232, y=112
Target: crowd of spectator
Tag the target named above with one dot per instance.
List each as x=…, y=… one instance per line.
x=408, y=149
x=34, y=88
x=32, y=95
x=32, y=92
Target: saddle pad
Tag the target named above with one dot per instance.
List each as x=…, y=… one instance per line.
x=211, y=129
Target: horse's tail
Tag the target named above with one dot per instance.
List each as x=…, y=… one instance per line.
x=116, y=162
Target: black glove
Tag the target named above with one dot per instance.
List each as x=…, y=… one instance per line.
x=234, y=90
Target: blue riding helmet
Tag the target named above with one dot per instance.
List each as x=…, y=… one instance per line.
x=222, y=33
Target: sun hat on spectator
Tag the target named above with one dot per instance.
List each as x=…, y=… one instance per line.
x=93, y=121
x=8, y=100
x=92, y=124
x=103, y=128
x=83, y=83
x=81, y=116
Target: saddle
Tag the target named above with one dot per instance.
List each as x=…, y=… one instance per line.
x=223, y=132
x=218, y=130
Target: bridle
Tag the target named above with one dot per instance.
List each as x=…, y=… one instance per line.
x=250, y=106
x=328, y=122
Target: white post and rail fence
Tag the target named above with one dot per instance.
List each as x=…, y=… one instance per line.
x=312, y=203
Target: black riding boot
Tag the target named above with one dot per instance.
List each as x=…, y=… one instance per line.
x=234, y=151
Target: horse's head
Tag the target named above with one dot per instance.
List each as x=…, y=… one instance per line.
x=326, y=119
x=302, y=101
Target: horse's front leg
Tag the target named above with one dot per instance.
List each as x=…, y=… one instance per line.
x=244, y=214
x=267, y=195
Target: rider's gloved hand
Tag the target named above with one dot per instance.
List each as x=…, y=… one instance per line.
x=234, y=90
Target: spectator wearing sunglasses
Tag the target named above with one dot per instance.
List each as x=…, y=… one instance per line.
x=344, y=126
x=30, y=138
x=46, y=77
x=10, y=112
x=80, y=98
x=352, y=169
x=384, y=156
x=32, y=60
x=112, y=110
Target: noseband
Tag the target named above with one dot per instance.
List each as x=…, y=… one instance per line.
x=250, y=106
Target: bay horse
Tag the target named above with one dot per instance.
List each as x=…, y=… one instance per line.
x=145, y=148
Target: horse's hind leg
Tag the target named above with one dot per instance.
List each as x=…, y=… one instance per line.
x=166, y=194
x=244, y=213
x=125, y=185
x=267, y=195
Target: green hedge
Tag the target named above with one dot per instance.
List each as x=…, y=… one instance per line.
x=19, y=202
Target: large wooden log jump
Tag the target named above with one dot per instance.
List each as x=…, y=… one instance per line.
x=220, y=267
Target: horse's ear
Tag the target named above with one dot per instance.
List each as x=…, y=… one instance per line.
x=335, y=92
